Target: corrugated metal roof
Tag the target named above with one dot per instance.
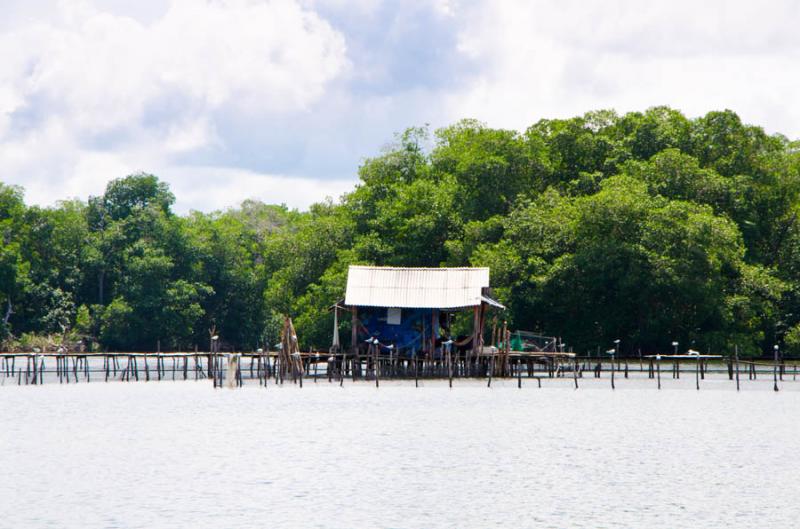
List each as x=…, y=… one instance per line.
x=493, y=302
x=444, y=288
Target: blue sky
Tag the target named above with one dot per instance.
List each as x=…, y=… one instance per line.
x=281, y=100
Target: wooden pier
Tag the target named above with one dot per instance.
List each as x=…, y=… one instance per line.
x=373, y=365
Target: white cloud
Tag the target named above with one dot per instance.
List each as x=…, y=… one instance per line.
x=228, y=99
x=359, y=8
x=562, y=58
x=189, y=135
x=86, y=93
x=104, y=70
x=222, y=187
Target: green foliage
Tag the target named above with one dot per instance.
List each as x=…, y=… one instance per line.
x=126, y=196
x=793, y=341
x=489, y=167
x=675, y=175
x=618, y=263
x=13, y=267
x=115, y=326
x=648, y=227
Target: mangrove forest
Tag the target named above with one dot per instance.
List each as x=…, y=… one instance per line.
x=648, y=227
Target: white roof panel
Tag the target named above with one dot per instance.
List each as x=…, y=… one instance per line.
x=444, y=288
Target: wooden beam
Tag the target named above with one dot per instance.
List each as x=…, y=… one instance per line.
x=433, y=332
x=475, y=325
x=354, y=331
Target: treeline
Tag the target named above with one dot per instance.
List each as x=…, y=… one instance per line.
x=649, y=227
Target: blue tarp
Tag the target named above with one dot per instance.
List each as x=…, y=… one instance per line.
x=406, y=336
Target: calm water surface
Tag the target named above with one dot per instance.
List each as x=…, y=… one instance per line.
x=180, y=454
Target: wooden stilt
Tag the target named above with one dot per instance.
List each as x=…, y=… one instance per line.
x=416, y=369
x=658, y=371
x=775, y=370
x=612, y=373
x=697, y=374
x=575, y=373
x=450, y=364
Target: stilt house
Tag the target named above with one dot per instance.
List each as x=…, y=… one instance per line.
x=409, y=308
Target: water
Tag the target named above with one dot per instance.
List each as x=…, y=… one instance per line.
x=180, y=454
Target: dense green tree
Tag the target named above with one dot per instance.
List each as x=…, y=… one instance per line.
x=578, y=150
x=648, y=226
x=621, y=264
x=489, y=168
x=672, y=174
x=229, y=258
x=13, y=268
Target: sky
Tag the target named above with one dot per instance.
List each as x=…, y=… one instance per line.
x=281, y=101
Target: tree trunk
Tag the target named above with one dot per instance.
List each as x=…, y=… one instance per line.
x=100, y=281
x=9, y=311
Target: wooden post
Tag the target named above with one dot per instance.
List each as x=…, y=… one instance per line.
x=297, y=359
x=736, y=353
x=575, y=373
x=491, y=365
x=233, y=361
x=343, y=365
x=481, y=322
x=433, y=334
x=354, y=341
x=775, y=369
x=416, y=368
x=612, y=373
x=353, y=329
x=376, y=359
x=658, y=370
x=506, y=349
x=697, y=374
x=495, y=335
x=450, y=363
x=475, y=325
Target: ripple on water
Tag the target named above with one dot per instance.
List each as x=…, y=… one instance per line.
x=183, y=454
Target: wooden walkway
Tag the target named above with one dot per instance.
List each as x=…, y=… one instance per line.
x=233, y=369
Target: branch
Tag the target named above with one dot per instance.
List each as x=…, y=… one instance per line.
x=9, y=311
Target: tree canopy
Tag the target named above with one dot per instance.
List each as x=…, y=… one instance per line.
x=648, y=227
